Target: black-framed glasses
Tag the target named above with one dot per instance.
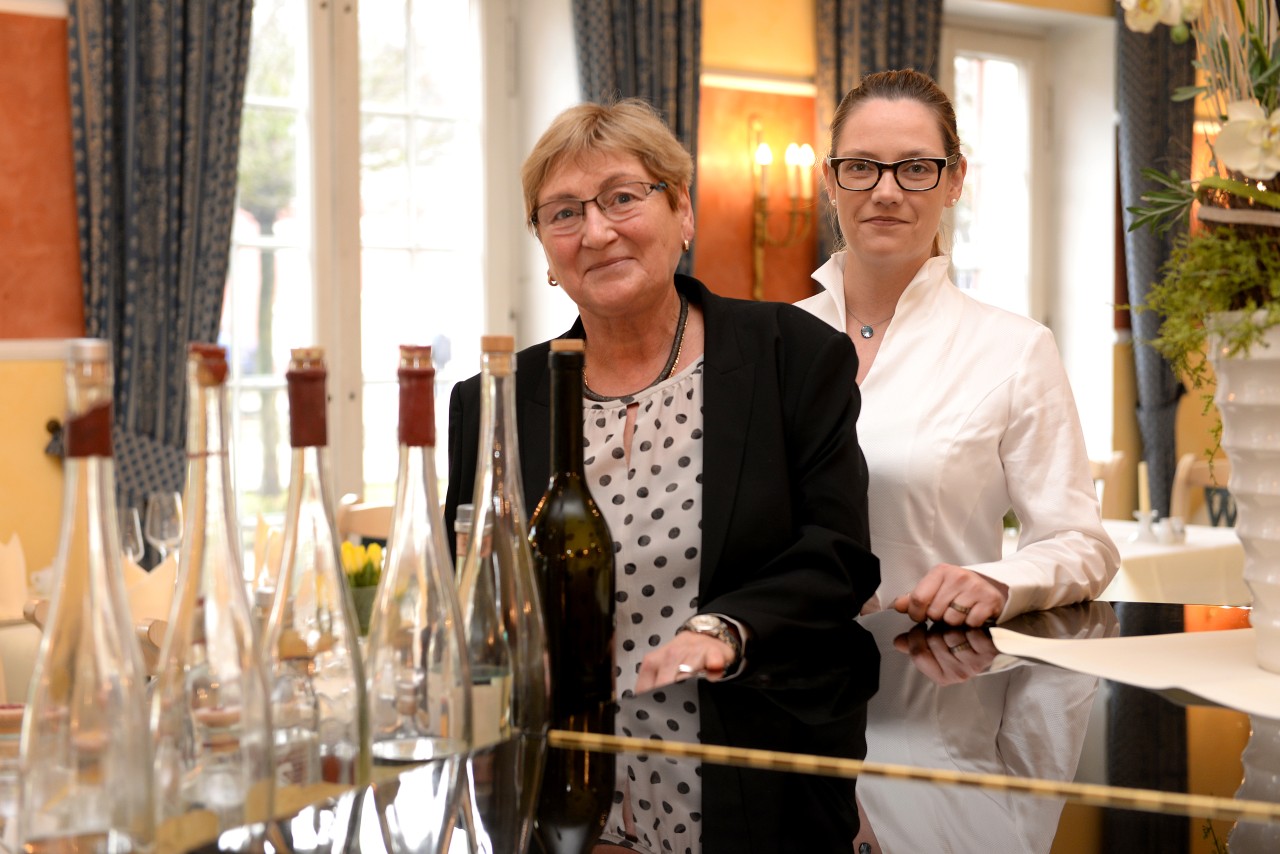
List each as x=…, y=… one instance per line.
x=619, y=202
x=915, y=175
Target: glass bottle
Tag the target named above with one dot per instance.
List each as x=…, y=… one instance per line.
x=317, y=686
x=85, y=752
x=498, y=553
x=489, y=657
x=573, y=551
x=210, y=713
x=419, y=685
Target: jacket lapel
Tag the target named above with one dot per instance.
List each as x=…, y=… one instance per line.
x=728, y=386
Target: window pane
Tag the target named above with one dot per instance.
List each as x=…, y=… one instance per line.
x=384, y=180
x=447, y=200
x=992, y=240
x=271, y=268
x=383, y=57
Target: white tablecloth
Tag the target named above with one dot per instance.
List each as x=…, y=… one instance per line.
x=1207, y=569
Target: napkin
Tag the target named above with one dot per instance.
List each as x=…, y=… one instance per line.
x=13, y=579
x=150, y=593
x=267, y=544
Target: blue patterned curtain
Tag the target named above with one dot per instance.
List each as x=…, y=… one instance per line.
x=650, y=49
x=156, y=93
x=857, y=37
x=1155, y=132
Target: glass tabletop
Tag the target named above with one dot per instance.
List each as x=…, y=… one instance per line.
x=951, y=745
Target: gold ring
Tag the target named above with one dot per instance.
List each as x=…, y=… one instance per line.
x=961, y=608
x=960, y=647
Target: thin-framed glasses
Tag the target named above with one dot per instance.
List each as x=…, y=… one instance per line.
x=915, y=175
x=619, y=202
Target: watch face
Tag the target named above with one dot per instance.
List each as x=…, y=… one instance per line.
x=704, y=623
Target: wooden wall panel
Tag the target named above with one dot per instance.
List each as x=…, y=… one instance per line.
x=723, y=259
x=40, y=292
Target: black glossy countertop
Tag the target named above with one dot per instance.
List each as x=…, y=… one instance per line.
x=966, y=750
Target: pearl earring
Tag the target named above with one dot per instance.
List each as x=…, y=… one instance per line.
x=551, y=280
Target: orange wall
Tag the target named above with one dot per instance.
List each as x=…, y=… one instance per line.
x=40, y=292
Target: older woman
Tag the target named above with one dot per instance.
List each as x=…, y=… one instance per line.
x=719, y=433
x=968, y=408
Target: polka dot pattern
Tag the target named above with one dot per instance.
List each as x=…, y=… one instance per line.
x=652, y=500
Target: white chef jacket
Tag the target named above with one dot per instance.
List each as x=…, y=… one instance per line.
x=966, y=412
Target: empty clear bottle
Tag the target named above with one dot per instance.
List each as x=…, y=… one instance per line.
x=209, y=714
x=85, y=754
x=501, y=557
x=419, y=685
x=318, y=703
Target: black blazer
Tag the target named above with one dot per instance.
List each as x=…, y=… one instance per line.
x=785, y=540
x=785, y=548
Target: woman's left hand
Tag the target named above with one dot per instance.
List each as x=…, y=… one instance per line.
x=954, y=595
x=688, y=655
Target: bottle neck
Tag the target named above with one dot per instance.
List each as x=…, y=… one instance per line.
x=500, y=469
x=209, y=523
x=566, y=414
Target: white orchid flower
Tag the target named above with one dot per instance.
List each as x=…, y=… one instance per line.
x=1191, y=9
x=1249, y=141
x=1141, y=16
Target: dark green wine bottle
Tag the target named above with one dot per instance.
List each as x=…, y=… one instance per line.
x=573, y=559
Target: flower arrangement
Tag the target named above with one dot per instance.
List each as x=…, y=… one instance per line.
x=1232, y=262
x=362, y=564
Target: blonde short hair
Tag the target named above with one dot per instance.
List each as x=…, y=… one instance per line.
x=630, y=127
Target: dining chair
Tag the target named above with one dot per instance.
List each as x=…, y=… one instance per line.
x=1195, y=474
x=362, y=522
x=1106, y=479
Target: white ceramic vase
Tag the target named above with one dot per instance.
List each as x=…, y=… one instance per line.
x=1248, y=396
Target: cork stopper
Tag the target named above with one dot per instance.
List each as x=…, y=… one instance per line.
x=417, y=377
x=306, y=377
x=497, y=343
x=207, y=363
x=497, y=354
x=568, y=345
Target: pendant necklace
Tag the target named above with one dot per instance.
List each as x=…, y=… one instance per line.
x=668, y=370
x=868, y=329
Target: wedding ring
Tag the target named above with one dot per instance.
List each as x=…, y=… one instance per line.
x=684, y=668
x=960, y=647
x=961, y=608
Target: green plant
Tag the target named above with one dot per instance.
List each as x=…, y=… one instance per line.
x=1232, y=263
x=362, y=564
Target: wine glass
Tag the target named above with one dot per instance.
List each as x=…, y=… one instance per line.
x=131, y=544
x=164, y=522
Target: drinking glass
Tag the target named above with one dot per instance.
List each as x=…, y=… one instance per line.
x=164, y=521
x=131, y=544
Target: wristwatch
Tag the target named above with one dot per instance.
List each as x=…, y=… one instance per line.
x=713, y=626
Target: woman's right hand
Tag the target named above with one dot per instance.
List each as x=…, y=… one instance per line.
x=948, y=656
x=954, y=595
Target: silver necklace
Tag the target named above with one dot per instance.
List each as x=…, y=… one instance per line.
x=668, y=370
x=868, y=329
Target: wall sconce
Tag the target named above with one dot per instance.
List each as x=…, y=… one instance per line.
x=799, y=161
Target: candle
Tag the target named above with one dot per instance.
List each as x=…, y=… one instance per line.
x=1144, y=491
x=806, y=170
x=764, y=156
x=792, y=158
